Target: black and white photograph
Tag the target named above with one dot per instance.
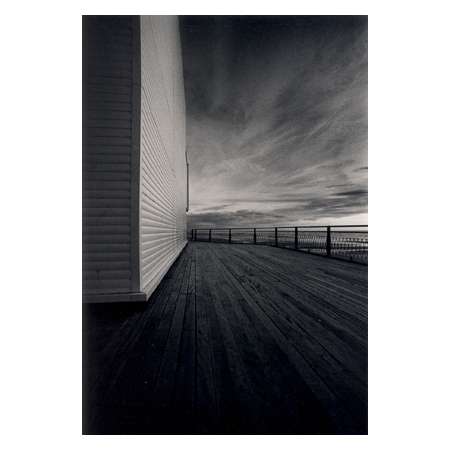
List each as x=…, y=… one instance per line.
x=185, y=253
x=225, y=225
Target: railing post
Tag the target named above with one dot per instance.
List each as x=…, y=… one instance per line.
x=328, y=241
x=210, y=235
x=192, y=234
x=254, y=235
x=276, y=237
x=195, y=235
x=296, y=238
x=229, y=235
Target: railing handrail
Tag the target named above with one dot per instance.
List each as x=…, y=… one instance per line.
x=273, y=227
x=332, y=240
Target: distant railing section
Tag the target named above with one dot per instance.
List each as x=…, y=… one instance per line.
x=349, y=242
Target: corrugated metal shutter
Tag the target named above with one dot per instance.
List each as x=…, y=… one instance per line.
x=163, y=161
x=108, y=66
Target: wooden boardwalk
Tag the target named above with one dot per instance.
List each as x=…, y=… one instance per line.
x=237, y=339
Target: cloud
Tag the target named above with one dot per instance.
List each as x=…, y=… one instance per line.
x=276, y=118
x=354, y=193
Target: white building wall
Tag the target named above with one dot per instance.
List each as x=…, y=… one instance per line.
x=163, y=171
x=110, y=137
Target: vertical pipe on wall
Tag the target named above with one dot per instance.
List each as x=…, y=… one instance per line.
x=187, y=184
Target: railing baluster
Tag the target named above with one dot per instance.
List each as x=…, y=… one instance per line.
x=328, y=241
x=351, y=245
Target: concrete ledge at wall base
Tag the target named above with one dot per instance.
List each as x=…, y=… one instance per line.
x=115, y=297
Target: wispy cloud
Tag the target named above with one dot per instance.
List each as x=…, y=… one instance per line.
x=277, y=119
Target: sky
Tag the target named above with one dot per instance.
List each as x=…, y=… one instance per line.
x=276, y=117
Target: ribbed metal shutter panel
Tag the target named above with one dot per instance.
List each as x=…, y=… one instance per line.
x=107, y=90
x=163, y=178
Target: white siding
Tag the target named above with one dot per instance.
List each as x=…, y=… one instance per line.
x=107, y=156
x=163, y=177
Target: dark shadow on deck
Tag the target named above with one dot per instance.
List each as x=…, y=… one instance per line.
x=236, y=339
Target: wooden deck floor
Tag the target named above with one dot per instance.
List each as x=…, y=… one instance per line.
x=237, y=339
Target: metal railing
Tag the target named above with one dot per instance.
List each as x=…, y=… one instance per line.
x=349, y=242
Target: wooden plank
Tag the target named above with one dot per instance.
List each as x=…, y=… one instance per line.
x=337, y=413
x=239, y=349
x=162, y=396
x=352, y=276
x=233, y=343
x=337, y=303
x=145, y=355
x=322, y=349
x=342, y=276
x=206, y=407
x=287, y=404
x=340, y=327
x=133, y=353
x=236, y=398
x=184, y=398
